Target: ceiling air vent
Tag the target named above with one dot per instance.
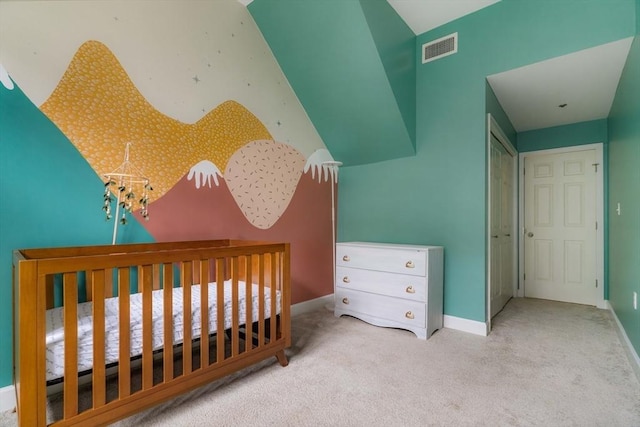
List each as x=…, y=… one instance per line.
x=440, y=48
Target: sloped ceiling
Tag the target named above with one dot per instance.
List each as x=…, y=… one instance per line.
x=352, y=66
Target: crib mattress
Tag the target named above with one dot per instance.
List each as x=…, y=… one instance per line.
x=55, y=325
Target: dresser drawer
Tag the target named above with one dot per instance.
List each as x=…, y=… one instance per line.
x=383, y=283
x=403, y=261
x=394, y=309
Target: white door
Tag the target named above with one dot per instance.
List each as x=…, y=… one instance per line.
x=502, y=275
x=560, y=227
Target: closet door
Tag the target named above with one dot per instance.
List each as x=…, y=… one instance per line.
x=501, y=216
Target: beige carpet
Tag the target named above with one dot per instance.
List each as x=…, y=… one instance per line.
x=544, y=364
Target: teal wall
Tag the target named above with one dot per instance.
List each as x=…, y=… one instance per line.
x=352, y=65
x=395, y=43
x=438, y=196
x=624, y=188
x=494, y=108
x=44, y=184
x=564, y=136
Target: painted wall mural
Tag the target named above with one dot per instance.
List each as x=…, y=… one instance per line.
x=99, y=109
x=97, y=106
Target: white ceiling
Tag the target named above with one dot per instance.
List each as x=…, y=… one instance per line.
x=586, y=80
x=425, y=15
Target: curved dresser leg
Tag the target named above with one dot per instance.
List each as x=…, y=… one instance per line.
x=282, y=358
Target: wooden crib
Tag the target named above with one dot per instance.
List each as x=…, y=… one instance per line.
x=164, y=279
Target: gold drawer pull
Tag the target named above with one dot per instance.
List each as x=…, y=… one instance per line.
x=410, y=290
x=409, y=315
x=346, y=279
x=345, y=300
x=409, y=264
x=346, y=258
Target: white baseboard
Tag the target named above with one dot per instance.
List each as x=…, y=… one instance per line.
x=631, y=351
x=311, y=305
x=465, y=325
x=7, y=398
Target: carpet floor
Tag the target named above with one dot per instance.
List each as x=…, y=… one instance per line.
x=544, y=364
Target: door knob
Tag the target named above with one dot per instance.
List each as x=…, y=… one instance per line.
x=530, y=234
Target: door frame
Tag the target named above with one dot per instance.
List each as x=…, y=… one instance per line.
x=599, y=197
x=494, y=128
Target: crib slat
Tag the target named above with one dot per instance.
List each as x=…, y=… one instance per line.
x=108, y=282
x=186, y=316
x=204, y=314
x=156, y=277
x=168, y=323
x=261, y=332
x=124, y=365
x=220, y=264
x=273, y=284
x=285, y=288
x=49, y=291
x=234, y=307
x=248, y=342
x=99, y=374
x=146, y=278
x=40, y=387
x=70, y=389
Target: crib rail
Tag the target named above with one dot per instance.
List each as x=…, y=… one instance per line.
x=153, y=271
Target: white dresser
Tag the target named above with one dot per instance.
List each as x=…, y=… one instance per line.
x=391, y=285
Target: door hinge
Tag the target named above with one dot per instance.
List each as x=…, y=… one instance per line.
x=596, y=166
x=596, y=283
x=524, y=276
x=596, y=225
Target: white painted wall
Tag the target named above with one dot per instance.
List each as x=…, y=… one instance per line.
x=185, y=57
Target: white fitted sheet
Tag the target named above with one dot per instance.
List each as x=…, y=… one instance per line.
x=55, y=325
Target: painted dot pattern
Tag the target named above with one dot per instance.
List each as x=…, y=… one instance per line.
x=262, y=177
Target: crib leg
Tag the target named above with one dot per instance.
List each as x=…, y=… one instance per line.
x=282, y=358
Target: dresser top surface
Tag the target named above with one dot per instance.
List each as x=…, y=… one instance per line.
x=389, y=245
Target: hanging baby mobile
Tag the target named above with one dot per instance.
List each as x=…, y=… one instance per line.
x=121, y=185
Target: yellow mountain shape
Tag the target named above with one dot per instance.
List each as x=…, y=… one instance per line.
x=97, y=106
